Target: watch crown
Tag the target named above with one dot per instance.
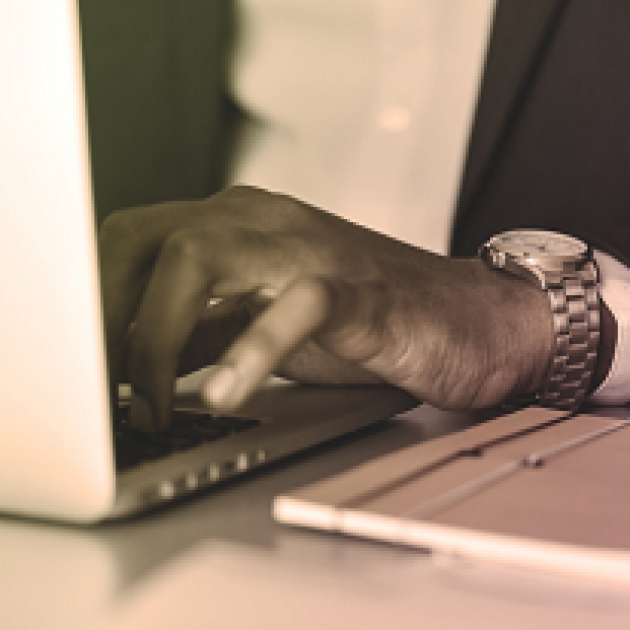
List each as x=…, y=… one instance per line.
x=498, y=259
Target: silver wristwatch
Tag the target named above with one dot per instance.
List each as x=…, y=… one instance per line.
x=564, y=268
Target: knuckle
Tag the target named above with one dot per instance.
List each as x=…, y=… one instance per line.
x=290, y=209
x=263, y=209
x=318, y=293
x=185, y=244
x=114, y=228
x=243, y=190
x=239, y=201
x=120, y=227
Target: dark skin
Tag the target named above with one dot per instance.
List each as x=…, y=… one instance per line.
x=310, y=296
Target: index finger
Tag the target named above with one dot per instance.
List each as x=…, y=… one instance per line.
x=296, y=315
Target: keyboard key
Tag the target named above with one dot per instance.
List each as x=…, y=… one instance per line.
x=187, y=430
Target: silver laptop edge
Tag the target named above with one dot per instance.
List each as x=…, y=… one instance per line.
x=53, y=389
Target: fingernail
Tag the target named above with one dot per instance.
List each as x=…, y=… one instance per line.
x=141, y=414
x=219, y=386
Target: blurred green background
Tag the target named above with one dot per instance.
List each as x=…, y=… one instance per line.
x=160, y=120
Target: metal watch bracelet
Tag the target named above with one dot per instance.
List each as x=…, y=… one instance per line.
x=576, y=313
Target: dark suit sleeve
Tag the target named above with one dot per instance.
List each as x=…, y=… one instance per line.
x=563, y=161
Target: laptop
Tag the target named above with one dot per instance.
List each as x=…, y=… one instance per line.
x=58, y=454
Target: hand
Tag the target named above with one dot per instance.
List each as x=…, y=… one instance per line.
x=308, y=295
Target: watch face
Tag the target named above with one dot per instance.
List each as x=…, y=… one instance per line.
x=537, y=243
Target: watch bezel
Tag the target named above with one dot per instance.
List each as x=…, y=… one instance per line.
x=499, y=242
x=532, y=265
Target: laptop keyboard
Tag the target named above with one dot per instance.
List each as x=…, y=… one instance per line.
x=187, y=430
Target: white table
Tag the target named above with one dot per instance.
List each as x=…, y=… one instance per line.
x=219, y=561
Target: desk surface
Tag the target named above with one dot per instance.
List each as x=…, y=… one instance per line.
x=220, y=561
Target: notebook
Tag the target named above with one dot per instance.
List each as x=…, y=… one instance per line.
x=537, y=489
x=57, y=457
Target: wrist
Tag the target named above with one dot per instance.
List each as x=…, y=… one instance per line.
x=525, y=333
x=563, y=269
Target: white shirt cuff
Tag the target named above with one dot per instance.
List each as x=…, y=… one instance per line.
x=615, y=291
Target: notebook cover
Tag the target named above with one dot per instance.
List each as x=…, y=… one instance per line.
x=535, y=488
